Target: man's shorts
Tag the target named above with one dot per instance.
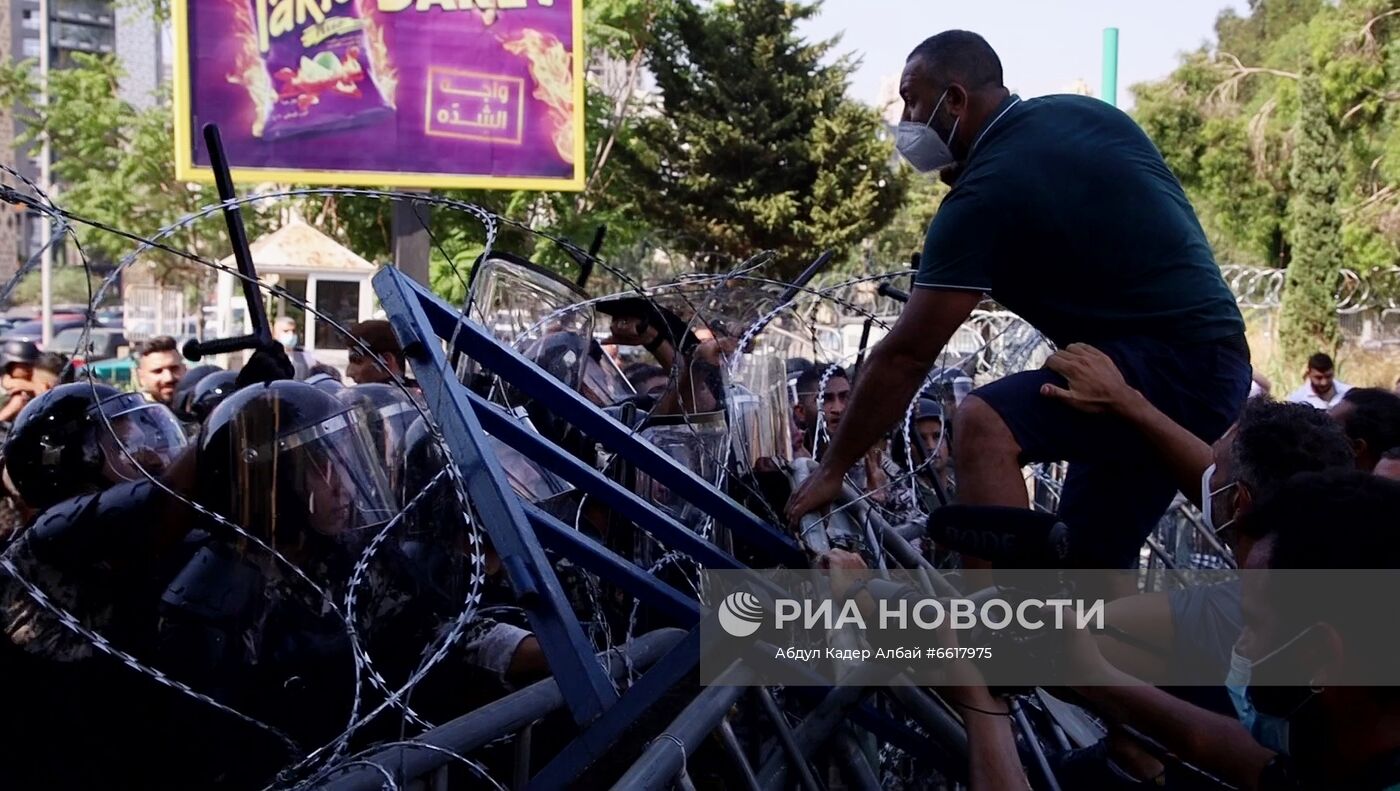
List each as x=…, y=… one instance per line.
x=1117, y=486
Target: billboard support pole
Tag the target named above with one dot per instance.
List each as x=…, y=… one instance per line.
x=412, y=244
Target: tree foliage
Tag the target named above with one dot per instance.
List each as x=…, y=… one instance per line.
x=111, y=161
x=1223, y=120
x=796, y=166
x=895, y=243
x=71, y=286
x=754, y=145
x=1308, y=318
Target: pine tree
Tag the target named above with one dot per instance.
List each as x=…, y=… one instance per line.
x=1308, y=318
x=754, y=145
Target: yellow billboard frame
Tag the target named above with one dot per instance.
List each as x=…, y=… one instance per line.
x=186, y=170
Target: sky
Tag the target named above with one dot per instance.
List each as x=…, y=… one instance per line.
x=1046, y=46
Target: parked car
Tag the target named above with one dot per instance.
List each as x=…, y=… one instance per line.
x=34, y=330
x=104, y=343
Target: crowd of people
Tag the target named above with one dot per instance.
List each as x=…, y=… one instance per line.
x=200, y=550
x=205, y=527
x=1147, y=396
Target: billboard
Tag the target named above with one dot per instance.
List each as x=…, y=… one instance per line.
x=399, y=93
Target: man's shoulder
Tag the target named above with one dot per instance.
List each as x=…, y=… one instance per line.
x=1057, y=110
x=1342, y=387
x=1072, y=102
x=1046, y=128
x=1301, y=395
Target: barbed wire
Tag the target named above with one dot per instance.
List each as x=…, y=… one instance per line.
x=992, y=343
x=1262, y=288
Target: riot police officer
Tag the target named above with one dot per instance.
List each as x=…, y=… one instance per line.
x=84, y=437
x=209, y=393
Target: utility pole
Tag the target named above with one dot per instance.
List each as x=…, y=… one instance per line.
x=1110, y=66
x=45, y=181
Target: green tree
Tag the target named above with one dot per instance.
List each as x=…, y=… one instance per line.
x=71, y=286
x=1308, y=318
x=1224, y=120
x=754, y=145
x=113, y=163
x=895, y=243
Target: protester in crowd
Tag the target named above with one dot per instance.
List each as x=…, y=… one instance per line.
x=51, y=369
x=1332, y=733
x=1272, y=442
x=929, y=428
x=1196, y=626
x=1371, y=418
x=1389, y=465
x=818, y=409
x=1166, y=318
x=159, y=369
x=384, y=363
x=285, y=331
x=19, y=385
x=1188, y=633
x=795, y=367
x=1321, y=388
x=647, y=379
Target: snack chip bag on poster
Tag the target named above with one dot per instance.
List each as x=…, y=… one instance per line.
x=322, y=73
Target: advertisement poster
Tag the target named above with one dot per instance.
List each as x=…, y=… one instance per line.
x=395, y=93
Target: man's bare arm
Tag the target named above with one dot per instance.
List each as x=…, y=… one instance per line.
x=1096, y=385
x=896, y=368
x=1216, y=743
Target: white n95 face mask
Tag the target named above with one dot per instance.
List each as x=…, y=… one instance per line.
x=922, y=146
x=1207, y=496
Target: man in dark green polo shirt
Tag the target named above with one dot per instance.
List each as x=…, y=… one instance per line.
x=1064, y=212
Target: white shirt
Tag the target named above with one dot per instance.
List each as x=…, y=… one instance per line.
x=1305, y=395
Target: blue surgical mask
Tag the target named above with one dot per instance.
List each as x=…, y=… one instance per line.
x=1270, y=731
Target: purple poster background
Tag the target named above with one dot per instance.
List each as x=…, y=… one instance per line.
x=450, y=92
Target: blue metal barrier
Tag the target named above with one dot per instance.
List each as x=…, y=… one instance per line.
x=587, y=690
x=521, y=533
x=476, y=342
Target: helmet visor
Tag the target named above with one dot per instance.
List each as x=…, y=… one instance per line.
x=328, y=474
x=388, y=427
x=143, y=437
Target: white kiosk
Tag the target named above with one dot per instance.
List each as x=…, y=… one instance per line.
x=317, y=270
